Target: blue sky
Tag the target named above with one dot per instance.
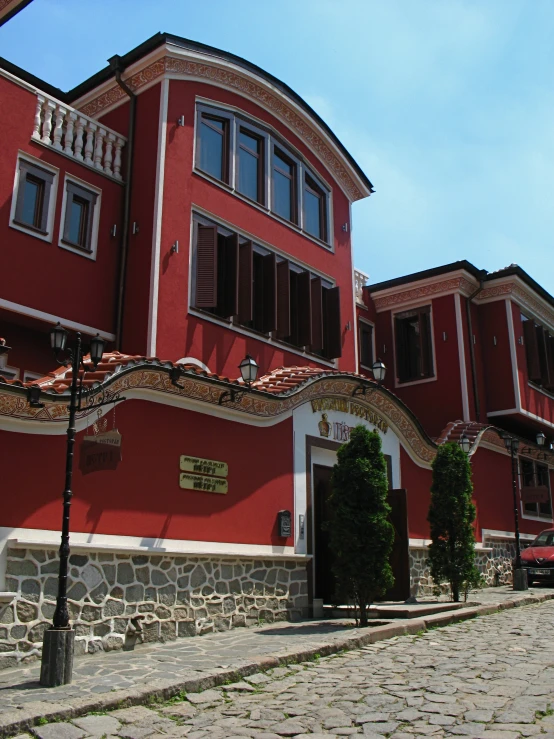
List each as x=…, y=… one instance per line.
x=447, y=105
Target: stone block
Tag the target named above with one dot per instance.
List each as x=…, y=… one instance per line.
x=30, y=589
x=158, y=577
x=99, y=593
x=21, y=568
x=47, y=610
x=82, y=629
x=186, y=627
x=150, y=632
x=17, y=632
x=7, y=661
x=113, y=608
x=91, y=613
x=120, y=625
x=113, y=642
x=97, y=726
x=26, y=611
x=77, y=591
x=117, y=593
x=134, y=593
x=162, y=612
x=167, y=595
x=94, y=646
x=168, y=630
x=125, y=574
x=58, y=730
x=3, y=633
x=146, y=608
x=197, y=577
x=50, y=568
x=142, y=575
x=140, y=559
x=101, y=629
x=79, y=560
x=36, y=634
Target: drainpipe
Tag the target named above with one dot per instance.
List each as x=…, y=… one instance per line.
x=473, y=295
x=115, y=64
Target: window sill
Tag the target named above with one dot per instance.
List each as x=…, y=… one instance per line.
x=265, y=338
x=88, y=254
x=30, y=231
x=409, y=383
x=539, y=519
x=262, y=209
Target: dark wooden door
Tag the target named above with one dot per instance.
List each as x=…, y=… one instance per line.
x=323, y=558
x=400, y=556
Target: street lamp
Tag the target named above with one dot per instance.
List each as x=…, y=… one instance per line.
x=520, y=576
x=59, y=639
x=249, y=372
x=464, y=443
x=379, y=370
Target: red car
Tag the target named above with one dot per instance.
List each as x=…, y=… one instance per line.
x=538, y=558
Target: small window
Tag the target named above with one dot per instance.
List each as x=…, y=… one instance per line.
x=414, y=355
x=539, y=353
x=535, y=488
x=78, y=220
x=32, y=209
x=213, y=145
x=315, y=208
x=366, y=344
x=284, y=186
x=250, y=165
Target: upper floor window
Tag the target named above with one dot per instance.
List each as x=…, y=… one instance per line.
x=366, y=344
x=253, y=287
x=255, y=163
x=34, y=197
x=539, y=352
x=535, y=488
x=414, y=352
x=213, y=145
x=315, y=209
x=80, y=217
x=250, y=165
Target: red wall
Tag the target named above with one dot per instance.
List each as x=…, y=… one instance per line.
x=434, y=402
x=143, y=497
x=496, y=358
x=39, y=274
x=493, y=496
x=417, y=482
x=532, y=400
x=182, y=335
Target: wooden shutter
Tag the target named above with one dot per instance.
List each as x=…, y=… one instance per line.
x=543, y=355
x=206, y=267
x=549, y=340
x=304, y=309
x=246, y=283
x=402, y=352
x=425, y=349
x=333, y=348
x=317, y=315
x=230, y=306
x=532, y=351
x=283, y=300
x=270, y=294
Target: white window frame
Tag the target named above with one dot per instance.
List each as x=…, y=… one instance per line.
x=95, y=218
x=36, y=162
x=327, y=194
x=527, y=514
x=373, y=347
x=240, y=122
x=404, y=309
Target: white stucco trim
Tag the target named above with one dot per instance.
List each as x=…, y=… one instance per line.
x=513, y=353
x=157, y=230
x=462, y=356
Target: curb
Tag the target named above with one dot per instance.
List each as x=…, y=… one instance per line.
x=14, y=722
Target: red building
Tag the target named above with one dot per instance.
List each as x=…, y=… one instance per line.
x=191, y=209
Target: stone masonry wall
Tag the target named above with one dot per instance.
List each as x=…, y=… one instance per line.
x=495, y=566
x=172, y=596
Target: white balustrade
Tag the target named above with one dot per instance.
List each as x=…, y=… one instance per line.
x=78, y=136
x=360, y=279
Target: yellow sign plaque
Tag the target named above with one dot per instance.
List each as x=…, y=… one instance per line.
x=203, y=484
x=203, y=466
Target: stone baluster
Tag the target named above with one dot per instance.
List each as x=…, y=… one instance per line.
x=70, y=123
x=99, y=148
x=61, y=112
x=89, y=145
x=117, y=158
x=78, y=147
x=38, y=111
x=48, y=109
x=108, y=158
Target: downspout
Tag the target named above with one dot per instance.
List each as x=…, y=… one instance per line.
x=473, y=295
x=115, y=64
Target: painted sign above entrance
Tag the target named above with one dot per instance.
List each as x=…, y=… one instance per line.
x=349, y=406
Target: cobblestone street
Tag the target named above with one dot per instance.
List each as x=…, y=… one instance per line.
x=492, y=677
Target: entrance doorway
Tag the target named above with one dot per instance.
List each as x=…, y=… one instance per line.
x=323, y=554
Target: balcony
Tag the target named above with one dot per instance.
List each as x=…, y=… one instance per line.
x=360, y=279
x=77, y=136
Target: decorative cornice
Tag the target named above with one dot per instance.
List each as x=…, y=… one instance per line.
x=14, y=405
x=523, y=297
x=246, y=87
x=428, y=290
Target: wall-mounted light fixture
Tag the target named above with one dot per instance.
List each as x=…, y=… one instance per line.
x=379, y=370
x=175, y=248
x=249, y=372
x=181, y=120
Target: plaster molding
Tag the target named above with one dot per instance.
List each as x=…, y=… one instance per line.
x=252, y=406
x=424, y=290
x=522, y=295
x=228, y=76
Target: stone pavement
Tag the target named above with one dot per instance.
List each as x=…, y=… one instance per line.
x=451, y=680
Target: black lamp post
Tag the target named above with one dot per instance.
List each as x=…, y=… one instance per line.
x=59, y=639
x=520, y=575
